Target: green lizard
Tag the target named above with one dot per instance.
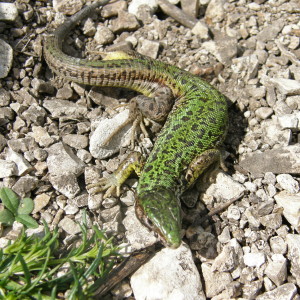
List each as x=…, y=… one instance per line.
x=188, y=142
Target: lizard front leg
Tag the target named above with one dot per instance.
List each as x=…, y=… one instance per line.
x=209, y=159
x=113, y=183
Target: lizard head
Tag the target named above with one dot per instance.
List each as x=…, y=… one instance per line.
x=160, y=211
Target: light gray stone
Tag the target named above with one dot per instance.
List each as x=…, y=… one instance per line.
x=76, y=141
x=111, y=214
x=6, y=58
x=264, y=208
x=277, y=269
x=287, y=86
x=69, y=226
x=289, y=121
x=273, y=221
x=254, y=259
x=274, y=134
x=215, y=11
x=278, y=245
x=215, y=282
x=225, y=188
x=23, y=165
x=224, y=47
x=246, y=66
x=229, y=258
x=65, y=108
x=65, y=93
x=291, y=207
x=293, y=241
x=41, y=136
x=67, y=7
x=104, y=35
x=224, y=237
x=286, y=291
x=109, y=202
x=65, y=183
x=128, y=198
x=233, y=213
x=138, y=235
x=264, y=112
x=22, y=144
x=270, y=31
x=280, y=160
x=24, y=185
x=288, y=183
x=122, y=290
x=252, y=289
x=134, y=5
x=84, y=155
x=61, y=160
x=35, y=114
x=170, y=274
x=257, y=92
x=125, y=22
x=81, y=200
x=89, y=28
x=70, y=209
x=149, y=48
x=98, y=147
x=112, y=9
x=7, y=168
x=40, y=201
x=201, y=30
x=8, y=12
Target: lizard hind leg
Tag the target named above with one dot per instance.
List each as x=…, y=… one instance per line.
x=158, y=105
x=155, y=108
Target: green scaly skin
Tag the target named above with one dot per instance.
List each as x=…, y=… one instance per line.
x=195, y=126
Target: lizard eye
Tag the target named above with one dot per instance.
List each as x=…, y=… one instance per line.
x=148, y=223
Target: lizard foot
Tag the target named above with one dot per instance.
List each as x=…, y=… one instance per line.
x=113, y=182
x=108, y=184
x=135, y=118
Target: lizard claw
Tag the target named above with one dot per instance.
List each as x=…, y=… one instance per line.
x=108, y=184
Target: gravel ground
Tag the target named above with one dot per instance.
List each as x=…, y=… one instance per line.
x=52, y=136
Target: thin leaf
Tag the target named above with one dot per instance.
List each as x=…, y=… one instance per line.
x=95, y=264
x=7, y=217
x=27, y=221
x=41, y=273
x=76, y=289
x=25, y=207
x=9, y=199
x=53, y=293
x=25, y=271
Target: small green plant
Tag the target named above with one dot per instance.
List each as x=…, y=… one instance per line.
x=16, y=209
x=37, y=268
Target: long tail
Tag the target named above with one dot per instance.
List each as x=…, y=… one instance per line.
x=71, y=22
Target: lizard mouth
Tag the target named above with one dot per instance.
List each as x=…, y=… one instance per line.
x=140, y=213
x=158, y=233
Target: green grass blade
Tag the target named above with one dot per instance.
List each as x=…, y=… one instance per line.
x=25, y=271
x=76, y=291
x=41, y=273
x=95, y=264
